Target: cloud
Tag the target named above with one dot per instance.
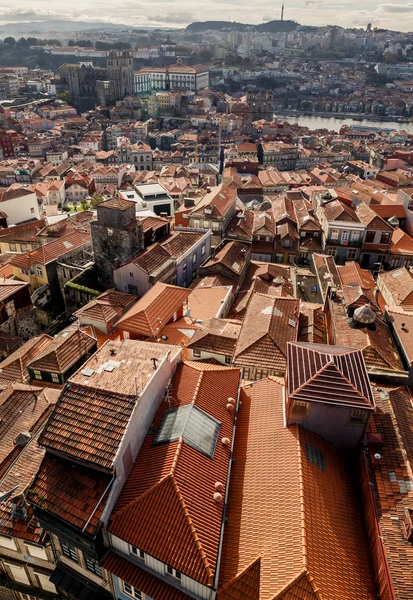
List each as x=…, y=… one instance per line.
x=174, y=18
x=396, y=8
x=22, y=14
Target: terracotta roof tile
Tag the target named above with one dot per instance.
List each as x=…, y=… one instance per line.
x=150, y=585
x=93, y=411
x=13, y=367
x=218, y=336
x=63, y=351
x=154, y=309
x=167, y=506
x=51, y=251
x=268, y=325
x=107, y=307
x=287, y=513
x=71, y=492
x=232, y=257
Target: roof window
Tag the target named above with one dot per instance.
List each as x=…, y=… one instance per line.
x=198, y=429
x=315, y=456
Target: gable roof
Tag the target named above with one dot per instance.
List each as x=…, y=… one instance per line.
x=107, y=307
x=168, y=499
x=269, y=323
x=154, y=309
x=328, y=374
x=53, y=250
x=216, y=203
x=63, y=351
x=13, y=368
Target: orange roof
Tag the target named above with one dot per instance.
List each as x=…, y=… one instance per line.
x=205, y=302
x=51, y=251
x=167, y=506
x=154, y=309
x=295, y=530
x=401, y=242
x=269, y=323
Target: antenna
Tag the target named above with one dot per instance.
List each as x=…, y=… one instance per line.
x=282, y=12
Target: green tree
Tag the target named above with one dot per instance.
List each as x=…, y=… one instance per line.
x=10, y=41
x=74, y=205
x=205, y=54
x=65, y=96
x=96, y=199
x=84, y=43
x=84, y=205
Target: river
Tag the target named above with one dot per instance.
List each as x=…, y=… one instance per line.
x=335, y=123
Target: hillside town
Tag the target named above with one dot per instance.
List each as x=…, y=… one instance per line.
x=206, y=317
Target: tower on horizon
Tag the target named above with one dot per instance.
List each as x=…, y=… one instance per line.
x=282, y=12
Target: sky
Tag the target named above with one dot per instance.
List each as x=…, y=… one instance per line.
x=396, y=15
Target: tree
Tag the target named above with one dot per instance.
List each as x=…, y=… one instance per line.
x=205, y=54
x=71, y=43
x=65, y=96
x=75, y=206
x=84, y=205
x=84, y=43
x=96, y=200
x=10, y=41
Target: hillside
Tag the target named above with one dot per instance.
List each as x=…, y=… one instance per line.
x=269, y=27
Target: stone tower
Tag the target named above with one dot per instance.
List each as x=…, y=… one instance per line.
x=116, y=236
x=120, y=70
x=261, y=105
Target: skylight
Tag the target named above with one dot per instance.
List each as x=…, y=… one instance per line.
x=315, y=456
x=198, y=429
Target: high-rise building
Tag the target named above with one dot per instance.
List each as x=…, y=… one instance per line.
x=120, y=71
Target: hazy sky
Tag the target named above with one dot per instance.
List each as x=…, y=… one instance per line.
x=178, y=13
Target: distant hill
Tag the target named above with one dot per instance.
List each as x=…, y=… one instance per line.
x=269, y=27
x=53, y=26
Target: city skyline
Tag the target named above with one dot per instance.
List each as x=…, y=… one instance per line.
x=179, y=13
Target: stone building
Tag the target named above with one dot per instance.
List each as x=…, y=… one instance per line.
x=120, y=71
x=116, y=235
x=261, y=105
x=81, y=79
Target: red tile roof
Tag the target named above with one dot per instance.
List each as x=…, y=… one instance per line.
x=388, y=490
x=93, y=411
x=154, y=309
x=13, y=367
x=328, y=374
x=71, y=492
x=51, y=251
x=107, y=307
x=167, y=506
x=294, y=531
x=145, y=582
x=63, y=351
x=269, y=324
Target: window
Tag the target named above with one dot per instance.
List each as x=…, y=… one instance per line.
x=279, y=258
x=385, y=238
x=69, y=551
x=173, y=572
x=287, y=243
x=315, y=456
x=32, y=210
x=137, y=552
x=132, y=592
x=17, y=573
x=227, y=360
x=215, y=226
x=315, y=234
x=55, y=378
x=184, y=267
x=299, y=409
x=7, y=542
x=246, y=374
x=109, y=232
x=291, y=258
x=37, y=551
x=302, y=234
x=370, y=235
x=332, y=251
x=39, y=271
x=344, y=235
x=27, y=597
x=93, y=566
x=13, y=248
x=197, y=353
x=203, y=250
x=193, y=259
x=37, y=374
x=334, y=234
x=358, y=417
x=45, y=582
x=351, y=253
